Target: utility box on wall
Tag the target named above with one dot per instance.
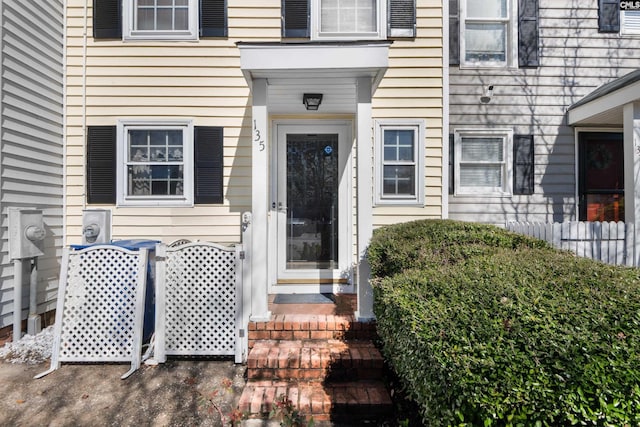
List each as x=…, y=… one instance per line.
x=96, y=226
x=26, y=233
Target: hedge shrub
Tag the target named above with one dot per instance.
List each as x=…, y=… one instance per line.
x=484, y=327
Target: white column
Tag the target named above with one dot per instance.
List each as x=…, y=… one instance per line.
x=259, y=202
x=631, y=117
x=364, y=196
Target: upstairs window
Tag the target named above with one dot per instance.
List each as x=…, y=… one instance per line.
x=348, y=19
x=487, y=33
x=494, y=33
x=630, y=20
x=161, y=19
x=622, y=17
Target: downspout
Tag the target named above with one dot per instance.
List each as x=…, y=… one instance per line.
x=64, y=122
x=84, y=104
x=445, y=110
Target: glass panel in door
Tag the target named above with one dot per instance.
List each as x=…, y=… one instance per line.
x=312, y=201
x=601, y=171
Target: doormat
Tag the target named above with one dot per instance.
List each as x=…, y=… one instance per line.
x=304, y=299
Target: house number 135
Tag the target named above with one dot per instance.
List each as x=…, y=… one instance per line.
x=258, y=137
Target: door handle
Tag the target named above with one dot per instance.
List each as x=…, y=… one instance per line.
x=279, y=206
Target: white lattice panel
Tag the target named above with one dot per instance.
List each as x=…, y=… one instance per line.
x=201, y=294
x=100, y=306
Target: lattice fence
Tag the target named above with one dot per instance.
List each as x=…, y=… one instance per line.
x=100, y=308
x=198, y=305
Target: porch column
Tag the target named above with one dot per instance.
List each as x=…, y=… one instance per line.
x=259, y=202
x=631, y=117
x=364, y=196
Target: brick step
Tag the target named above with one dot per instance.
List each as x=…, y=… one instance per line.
x=352, y=401
x=311, y=327
x=328, y=360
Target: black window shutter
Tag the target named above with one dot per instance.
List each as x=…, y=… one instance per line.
x=107, y=19
x=454, y=33
x=528, y=33
x=208, y=161
x=101, y=164
x=402, y=18
x=608, y=16
x=213, y=18
x=523, y=164
x=295, y=18
x=452, y=163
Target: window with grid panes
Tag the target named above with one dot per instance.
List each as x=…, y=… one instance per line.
x=156, y=165
x=161, y=19
x=399, y=174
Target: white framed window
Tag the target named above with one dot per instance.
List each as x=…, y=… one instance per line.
x=488, y=33
x=483, y=162
x=399, y=162
x=348, y=19
x=160, y=19
x=155, y=163
x=630, y=22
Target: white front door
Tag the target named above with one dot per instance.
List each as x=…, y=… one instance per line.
x=311, y=203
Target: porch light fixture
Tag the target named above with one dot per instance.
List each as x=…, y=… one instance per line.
x=312, y=101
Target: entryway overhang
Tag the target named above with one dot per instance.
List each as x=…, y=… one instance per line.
x=279, y=74
x=617, y=105
x=292, y=69
x=604, y=106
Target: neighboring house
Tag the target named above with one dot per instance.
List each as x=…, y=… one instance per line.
x=31, y=138
x=183, y=115
x=544, y=113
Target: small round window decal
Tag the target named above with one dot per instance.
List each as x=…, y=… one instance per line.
x=328, y=149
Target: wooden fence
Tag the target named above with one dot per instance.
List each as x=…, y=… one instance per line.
x=609, y=242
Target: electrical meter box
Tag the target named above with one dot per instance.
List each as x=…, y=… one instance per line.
x=96, y=226
x=26, y=233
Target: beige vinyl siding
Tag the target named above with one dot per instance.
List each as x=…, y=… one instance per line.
x=412, y=88
x=31, y=153
x=574, y=60
x=202, y=81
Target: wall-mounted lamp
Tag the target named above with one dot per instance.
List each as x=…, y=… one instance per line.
x=488, y=93
x=312, y=101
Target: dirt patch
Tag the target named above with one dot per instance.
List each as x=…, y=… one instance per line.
x=178, y=393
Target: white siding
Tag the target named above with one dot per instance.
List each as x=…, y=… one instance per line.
x=31, y=155
x=574, y=60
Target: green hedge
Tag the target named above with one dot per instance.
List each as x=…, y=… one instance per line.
x=484, y=327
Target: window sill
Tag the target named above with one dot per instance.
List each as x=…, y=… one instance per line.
x=482, y=194
x=347, y=37
x=398, y=203
x=488, y=67
x=161, y=37
x=155, y=204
